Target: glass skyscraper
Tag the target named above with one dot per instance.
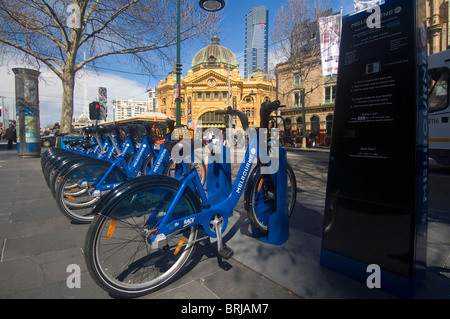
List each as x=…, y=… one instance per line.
x=256, y=40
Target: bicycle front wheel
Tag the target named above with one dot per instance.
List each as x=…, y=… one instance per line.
x=119, y=254
x=262, y=198
x=75, y=201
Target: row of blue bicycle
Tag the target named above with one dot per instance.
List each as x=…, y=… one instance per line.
x=79, y=174
x=148, y=209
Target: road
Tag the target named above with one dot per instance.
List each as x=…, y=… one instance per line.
x=311, y=170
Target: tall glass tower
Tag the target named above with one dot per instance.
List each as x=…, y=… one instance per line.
x=256, y=40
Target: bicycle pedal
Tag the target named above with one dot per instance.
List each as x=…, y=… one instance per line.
x=226, y=252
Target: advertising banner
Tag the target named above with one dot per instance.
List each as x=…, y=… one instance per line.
x=330, y=33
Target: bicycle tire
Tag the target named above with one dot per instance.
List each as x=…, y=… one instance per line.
x=76, y=203
x=121, y=259
x=147, y=163
x=262, y=198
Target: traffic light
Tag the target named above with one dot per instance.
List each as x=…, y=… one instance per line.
x=94, y=111
x=178, y=67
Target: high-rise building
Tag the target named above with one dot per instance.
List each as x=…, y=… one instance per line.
x=152, y=100
x=256, y=40
x=124, y=109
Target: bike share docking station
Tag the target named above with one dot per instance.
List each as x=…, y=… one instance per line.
x=219, y=185
x=278, y=219
x=376, y=205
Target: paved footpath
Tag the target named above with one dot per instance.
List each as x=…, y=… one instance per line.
x=38, y=244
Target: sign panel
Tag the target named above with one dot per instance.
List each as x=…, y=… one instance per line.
x=102, y=98
x=377, y=171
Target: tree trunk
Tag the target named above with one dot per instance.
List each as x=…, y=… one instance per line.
x=68, y=83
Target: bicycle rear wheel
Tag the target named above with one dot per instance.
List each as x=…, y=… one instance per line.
x=119, y=254
x=262, y=198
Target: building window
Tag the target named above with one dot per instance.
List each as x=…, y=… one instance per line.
x=330, y=94
x=288, y=124
x=315, y=126
x=329, y=127
x=250, y=111
x=298, y=101
x=300, y=125
x=248, y=99
x=212, y=118
x=298, y=83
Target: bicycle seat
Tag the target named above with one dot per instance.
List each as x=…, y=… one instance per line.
x=89, y=129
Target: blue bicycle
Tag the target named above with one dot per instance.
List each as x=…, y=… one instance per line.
x=145, y=230
x=81, y=186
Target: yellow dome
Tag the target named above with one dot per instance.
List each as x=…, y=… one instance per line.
x=214, y=55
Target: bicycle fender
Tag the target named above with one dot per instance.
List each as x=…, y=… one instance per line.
x=90, y=169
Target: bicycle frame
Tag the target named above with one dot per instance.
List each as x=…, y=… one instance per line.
x=144, y=150
x=205, y=217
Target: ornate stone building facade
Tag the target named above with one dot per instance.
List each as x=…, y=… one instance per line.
x=311, y=98
x=319, y=92
x=437, y=13
x=213, y=83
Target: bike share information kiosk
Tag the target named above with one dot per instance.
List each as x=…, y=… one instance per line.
x=377, y=189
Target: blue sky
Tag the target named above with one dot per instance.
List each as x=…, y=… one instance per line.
x=232, y=29
x=231, y=33
x=123, y=85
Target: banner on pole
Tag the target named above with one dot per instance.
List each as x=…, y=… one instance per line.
x=330, y=35
x=361, y=5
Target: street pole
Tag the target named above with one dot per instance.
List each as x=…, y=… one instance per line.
x=208, y=5
x=178, y=99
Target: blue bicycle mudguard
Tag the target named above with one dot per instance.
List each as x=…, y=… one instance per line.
x=133, y=198
x=94, y=171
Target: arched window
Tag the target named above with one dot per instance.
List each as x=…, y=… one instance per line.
x=329, y=127
x=288, y=123
x=300, y=125
x=212, y=118
x=315, y=126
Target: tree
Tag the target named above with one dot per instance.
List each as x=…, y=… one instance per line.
x=297, y=44
x=58, y=33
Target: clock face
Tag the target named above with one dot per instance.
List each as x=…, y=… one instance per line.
x=211, y=82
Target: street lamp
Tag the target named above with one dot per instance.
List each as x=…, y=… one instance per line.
x=211, y=5
x=208, y=5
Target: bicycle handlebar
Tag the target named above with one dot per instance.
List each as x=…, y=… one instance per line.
x=264, y=113
x=242, y=116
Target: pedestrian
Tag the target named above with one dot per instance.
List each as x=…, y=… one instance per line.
x=10, y=136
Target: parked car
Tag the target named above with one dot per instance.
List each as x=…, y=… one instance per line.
x=48, y=140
